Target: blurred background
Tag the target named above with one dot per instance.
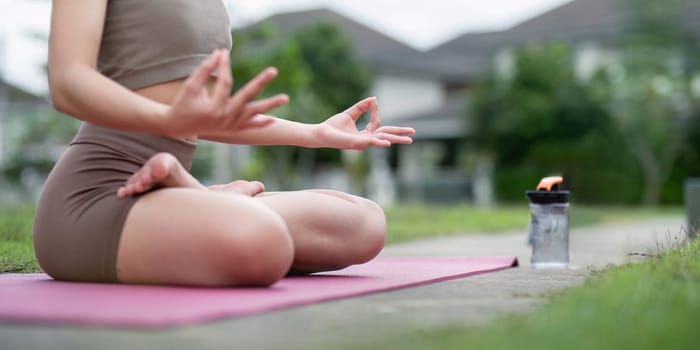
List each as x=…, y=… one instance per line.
x=501, y=93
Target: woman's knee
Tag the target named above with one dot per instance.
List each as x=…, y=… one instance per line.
x=235, y=241
x=368, y=224
x=373, y=230
x=263, y=247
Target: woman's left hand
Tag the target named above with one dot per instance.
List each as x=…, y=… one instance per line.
x=340, y=131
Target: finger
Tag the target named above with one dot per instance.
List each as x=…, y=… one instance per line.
x=361, y=143
x=374, y=120
x=252, y=116
x=357, y=110
x=251, y=89
x=377, y=142
x=394, y=139
x=396, y=130
x=201, y=75
x=266, y=105
x=222, y=89
x=257, y=121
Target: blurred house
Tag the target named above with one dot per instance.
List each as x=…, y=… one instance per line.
x=592, y=27
x=429, y=90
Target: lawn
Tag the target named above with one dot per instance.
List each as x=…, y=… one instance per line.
x=651, y=305
x=407, y=222
x=404, y=222
x=16, y=249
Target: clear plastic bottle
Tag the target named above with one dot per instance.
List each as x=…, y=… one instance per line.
x=549, y=224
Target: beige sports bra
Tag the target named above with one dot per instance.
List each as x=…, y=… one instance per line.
x=146, y=42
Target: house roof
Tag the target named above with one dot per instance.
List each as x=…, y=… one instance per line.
x=384, y=53
x=575, y=20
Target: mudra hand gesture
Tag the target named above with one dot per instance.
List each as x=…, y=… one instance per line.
x=196, y=110
x=340, y=130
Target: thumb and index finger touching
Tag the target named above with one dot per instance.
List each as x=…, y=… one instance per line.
x=359, y=108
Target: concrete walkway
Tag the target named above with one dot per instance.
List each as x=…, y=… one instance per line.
x=358, y=322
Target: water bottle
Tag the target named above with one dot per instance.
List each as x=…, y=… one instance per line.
x=549, y=224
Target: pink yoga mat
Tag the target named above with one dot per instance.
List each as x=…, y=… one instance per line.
x=36, y=298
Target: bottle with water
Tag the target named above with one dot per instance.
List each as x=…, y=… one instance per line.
x=549, y=224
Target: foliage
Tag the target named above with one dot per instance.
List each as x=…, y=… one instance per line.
x=202, y=161
x=340, y=79
x=16, y=245
x=38, y=137
x=541, y=102
x=627, y=135
x=541, y=120
x=649, y=89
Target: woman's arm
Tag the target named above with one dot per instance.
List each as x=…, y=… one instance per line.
x=280, y=132
x=339, y=131
x=78, y=89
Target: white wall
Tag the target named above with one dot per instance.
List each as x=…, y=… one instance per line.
x=402, y=97
x=504, y=63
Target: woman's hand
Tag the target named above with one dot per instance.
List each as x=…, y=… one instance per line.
x=340, y=130
x=196, y=111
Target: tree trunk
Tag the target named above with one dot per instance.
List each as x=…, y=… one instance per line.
x=651, y=174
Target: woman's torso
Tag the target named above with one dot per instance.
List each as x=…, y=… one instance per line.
x=151, y=46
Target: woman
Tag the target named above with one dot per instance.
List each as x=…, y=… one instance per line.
x=148, y=78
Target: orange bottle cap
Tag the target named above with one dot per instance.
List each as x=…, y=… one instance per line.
x=547, y=183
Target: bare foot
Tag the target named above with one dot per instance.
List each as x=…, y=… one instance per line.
x=248, y=188
x=162, y=170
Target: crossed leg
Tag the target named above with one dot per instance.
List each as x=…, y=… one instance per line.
x=188, y=234
x=330, y=229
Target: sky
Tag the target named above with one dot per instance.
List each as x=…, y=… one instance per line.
x=419, y=23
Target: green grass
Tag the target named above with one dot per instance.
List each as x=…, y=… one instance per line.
x=408, y=222
x=16, y=247
x=405, y=222
x=651, y=305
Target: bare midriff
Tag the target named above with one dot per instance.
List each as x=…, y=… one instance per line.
x=165, y=93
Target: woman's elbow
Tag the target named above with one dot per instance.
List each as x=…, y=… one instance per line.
x=57, y=100
x=58, y=93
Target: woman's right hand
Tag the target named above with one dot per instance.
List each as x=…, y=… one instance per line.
x=197, y=111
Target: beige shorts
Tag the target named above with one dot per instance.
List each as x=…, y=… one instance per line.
x=79, y=218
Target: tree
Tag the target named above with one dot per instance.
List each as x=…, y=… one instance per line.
x=541, y=102
x=540, y=120
x=340, y=79
x=649, y=91
x=38, y=136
